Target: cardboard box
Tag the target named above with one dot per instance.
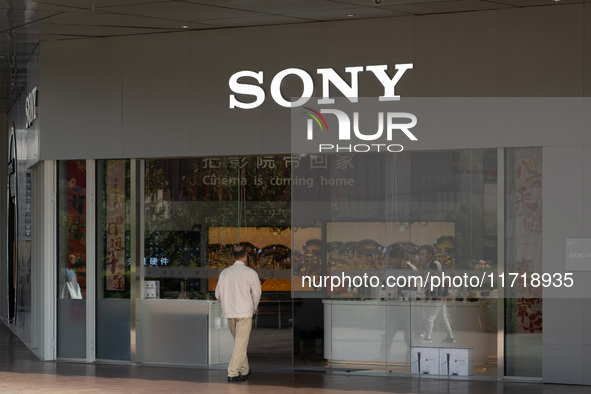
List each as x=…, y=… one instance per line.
x=455, y=361
x=152, y=289
x=424, y=360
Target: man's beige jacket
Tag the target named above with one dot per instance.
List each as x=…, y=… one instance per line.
x=239, y=291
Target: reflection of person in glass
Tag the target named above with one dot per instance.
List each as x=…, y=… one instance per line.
x=437, y=305
x=395, y=261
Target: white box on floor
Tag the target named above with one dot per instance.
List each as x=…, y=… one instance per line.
x=455, y=361
x=152, y=289
x=424, y=360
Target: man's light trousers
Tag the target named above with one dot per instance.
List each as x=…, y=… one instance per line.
x=240, y=329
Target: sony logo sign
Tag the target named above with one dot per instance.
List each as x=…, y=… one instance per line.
x=248, y=83
x=31, y=107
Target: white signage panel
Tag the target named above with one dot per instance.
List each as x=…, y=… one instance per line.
x=578, y=254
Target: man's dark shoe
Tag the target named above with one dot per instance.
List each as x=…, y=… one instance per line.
x=247, y=375
x=238, y=378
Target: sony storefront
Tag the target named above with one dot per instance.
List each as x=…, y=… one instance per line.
x=334, y=156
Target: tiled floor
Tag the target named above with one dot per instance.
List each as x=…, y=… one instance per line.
x=22, y=372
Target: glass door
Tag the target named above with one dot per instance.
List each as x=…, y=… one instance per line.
x=195, y=211
x=71, y=260
x=93, y=316
x=113, y=260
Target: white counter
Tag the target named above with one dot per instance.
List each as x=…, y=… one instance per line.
x=183, y=332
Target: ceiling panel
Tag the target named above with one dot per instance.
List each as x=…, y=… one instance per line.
x=86, y=4
x=112, y=19
x=447, y=7
x=31, y=6
x=182, y=11
x=535, y=3
x=256, y=20
x=67, y=31
x=276, y=6
x=349, y=13
x=13, y=18
x=386, y=3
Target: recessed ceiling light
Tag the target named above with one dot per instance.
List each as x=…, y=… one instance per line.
x=184, y=27
x=349, y=15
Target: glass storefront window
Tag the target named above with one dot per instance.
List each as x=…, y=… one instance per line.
x=71, y=260
x=341, y=215
x=113, y=260
x=523, y=254
x=379, y=215
x=196, y=209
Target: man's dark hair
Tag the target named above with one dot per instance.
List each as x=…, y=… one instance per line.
x=239, y=252
x=427, y=248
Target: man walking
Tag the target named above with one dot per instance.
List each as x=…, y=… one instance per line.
x=239, y=292
x=437, y=305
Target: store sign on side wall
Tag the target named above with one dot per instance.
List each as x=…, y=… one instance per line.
x=31, y=107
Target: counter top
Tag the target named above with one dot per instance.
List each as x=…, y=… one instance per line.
x=178, y=300
x=336, y=301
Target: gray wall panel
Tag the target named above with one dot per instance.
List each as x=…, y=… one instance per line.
x=586, y=312
x=382, y=41
x=450, y=62
x=566, y=324
x=566, y=366
x=563, y=202
x=215, y=56
x=586, y=364
x=587, y=51
x=556, y=332
x=540, y=51
x=80, y=99
x=156, y=95
x=587, y=188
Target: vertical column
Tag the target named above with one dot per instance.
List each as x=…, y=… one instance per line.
x=90, y=260
x=137, y=255
x=500, y=261
x=5, y=153
x=44, y=256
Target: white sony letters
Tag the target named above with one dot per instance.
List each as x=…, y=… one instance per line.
x=251, y=90
x=31, y=107
x=276, y=87
x=329, y=76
